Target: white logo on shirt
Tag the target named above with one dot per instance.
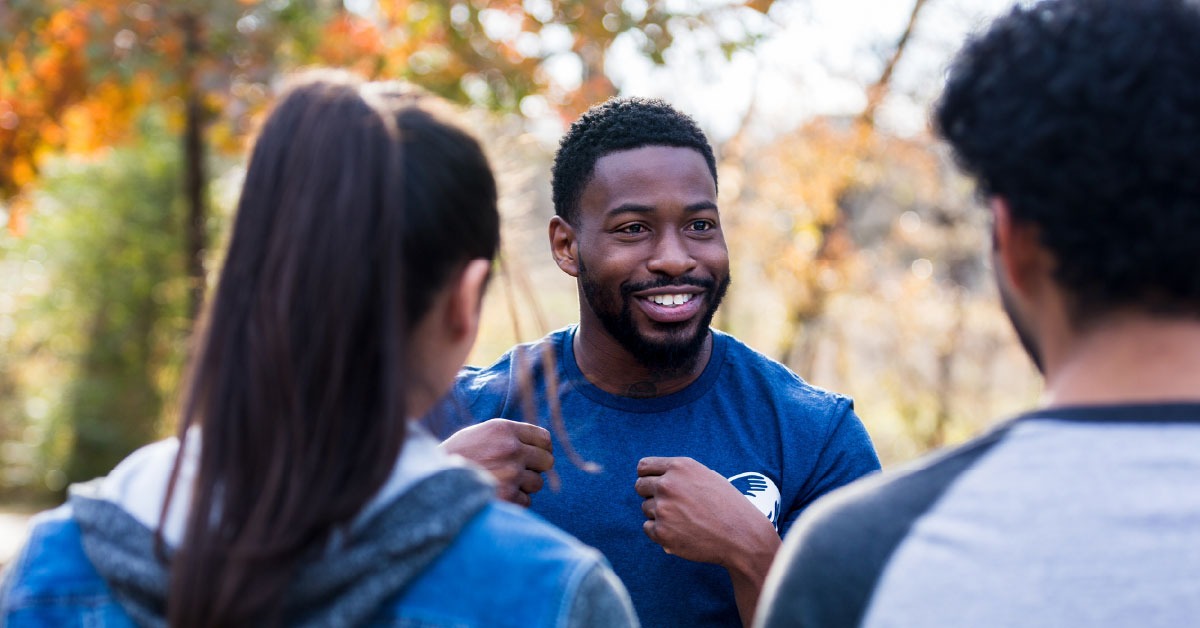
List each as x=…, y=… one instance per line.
x=761, y=492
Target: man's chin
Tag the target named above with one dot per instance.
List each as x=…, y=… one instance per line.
x=658, y=345
x=669, y=346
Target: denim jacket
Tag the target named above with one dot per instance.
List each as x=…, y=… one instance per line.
x=441, y=553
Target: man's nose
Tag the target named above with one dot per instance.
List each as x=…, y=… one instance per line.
x=672, y=256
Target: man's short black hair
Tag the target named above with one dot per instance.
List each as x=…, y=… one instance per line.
x=615, y=125
x=1085, y=116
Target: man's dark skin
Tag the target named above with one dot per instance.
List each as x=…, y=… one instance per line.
x=647, y=216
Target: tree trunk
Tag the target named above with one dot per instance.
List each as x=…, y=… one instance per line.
x=195, y=167
x=946, y=361
x=793, y=348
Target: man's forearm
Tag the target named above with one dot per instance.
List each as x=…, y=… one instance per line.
x=748, y=570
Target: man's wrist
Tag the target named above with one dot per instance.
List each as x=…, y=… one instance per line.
x=751, y=559
x=748, y=567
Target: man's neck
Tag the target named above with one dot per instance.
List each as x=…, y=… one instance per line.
x=1128, y=359
x=612, y=368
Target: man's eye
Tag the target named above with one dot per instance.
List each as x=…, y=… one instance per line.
x=634, y=228
x=701, y=225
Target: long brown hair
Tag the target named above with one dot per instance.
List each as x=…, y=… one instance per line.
x=359, y=203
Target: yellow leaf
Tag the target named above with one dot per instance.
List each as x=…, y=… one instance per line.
x=22, y=171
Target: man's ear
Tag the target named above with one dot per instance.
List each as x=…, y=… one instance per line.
x=1018, y=248
x=564, y=246
x=466, y=300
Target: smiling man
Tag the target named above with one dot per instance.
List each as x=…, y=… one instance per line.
x=706, y=450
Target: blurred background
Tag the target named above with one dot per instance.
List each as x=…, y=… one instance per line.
x=859, y=254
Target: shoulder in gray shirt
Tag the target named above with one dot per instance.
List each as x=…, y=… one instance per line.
x=1084, y=516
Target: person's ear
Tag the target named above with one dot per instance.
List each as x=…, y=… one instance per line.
x=1018, y=253
x=466, y=300
x=442, y=339
x=564, y=246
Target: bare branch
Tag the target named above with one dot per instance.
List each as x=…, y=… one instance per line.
x=879, y=90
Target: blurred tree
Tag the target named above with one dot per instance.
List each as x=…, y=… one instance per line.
x=74, y=72
x=893, y=303
x=77, y=73
x=12, y=414
x=796, y=189
x=76, y=77
x=872, y=251
x=113, y=310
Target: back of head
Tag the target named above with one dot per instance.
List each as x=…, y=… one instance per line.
x=359, y=203
x=1085, y=116
x=615, y=125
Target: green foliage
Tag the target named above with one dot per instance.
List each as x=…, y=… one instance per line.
x=13, y=418
x=112, y=316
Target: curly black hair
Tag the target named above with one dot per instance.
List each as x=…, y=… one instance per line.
x=615, y=125
x=1085, y=116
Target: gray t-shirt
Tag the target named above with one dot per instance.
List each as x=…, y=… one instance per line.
x=1086, y=516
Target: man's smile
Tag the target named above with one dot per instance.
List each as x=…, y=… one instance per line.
x=671, y=299
x=671, y=307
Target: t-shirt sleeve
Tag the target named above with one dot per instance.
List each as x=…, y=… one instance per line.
x=475, y=396
x=826, y=570
x=847, y=454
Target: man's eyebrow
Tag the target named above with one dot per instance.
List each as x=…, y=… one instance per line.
x=630, y=208
x=636, y=208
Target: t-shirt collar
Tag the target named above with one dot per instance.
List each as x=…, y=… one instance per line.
x=572, y=376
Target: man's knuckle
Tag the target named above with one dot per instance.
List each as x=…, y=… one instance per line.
x=681, y=464
x=506, y=474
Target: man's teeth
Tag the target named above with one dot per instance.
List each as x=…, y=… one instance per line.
x=671, y=299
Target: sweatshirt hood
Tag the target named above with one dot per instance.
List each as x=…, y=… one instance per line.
x=424, y=504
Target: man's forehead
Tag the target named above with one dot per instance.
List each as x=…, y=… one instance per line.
x=646, y=176
x=636, y=159
x=646, y=169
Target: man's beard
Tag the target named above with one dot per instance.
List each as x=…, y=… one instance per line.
x=679, y=351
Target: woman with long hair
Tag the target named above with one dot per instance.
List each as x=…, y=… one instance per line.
x=299, y=490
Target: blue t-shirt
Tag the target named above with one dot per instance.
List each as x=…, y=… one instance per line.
x=781, y=441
